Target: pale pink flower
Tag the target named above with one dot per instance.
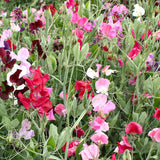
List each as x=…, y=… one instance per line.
x=157, y=34
x=99, y=101
x=155, y=134
x=110, y=106
x=99, y=124
x=90, y=152
x=60, y=110
x=48, y=38
x=99, y=138
x=15, y=27
x=102, y=85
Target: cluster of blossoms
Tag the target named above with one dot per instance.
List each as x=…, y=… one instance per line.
x=39, y=94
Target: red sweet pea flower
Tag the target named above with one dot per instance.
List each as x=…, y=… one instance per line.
x=39, y=95
x=82, y=86
x=157, y=113
x=11, y=45
x=79, y=131
x=52, y=9
x=122, y=146
x=133, y=128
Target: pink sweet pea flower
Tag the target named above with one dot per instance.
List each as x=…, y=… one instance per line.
x=155, y=134
x=122, y=146
x=60, y=110
x=149, y=34
x=107, y=71
x=107, y=30
x=89, y=53
x=120, y=62
x=70, y=3
x=99, y=138
x=78, y=32
x=157, y=34
x=88, y=27
x=82, y=21
x=102, y=85
x=110, y=106
x=133, y=128
x=99, y=124
x=90, y=152
x=132, y=30
x=75, y=18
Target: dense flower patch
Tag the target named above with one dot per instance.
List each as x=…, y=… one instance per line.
x=80, y=80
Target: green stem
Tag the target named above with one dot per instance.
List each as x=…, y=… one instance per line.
x=150, y=151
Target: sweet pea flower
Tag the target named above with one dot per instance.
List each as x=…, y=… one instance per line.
x=157, y=113
x=138, y=11
x=133, y=128
x=107, y=71
x=92, y=74
x=123, y=145
x=90, y=152
x=79, y=131
x=89, y=53
x=75, y=18
x=24, y=132
x=60, y=110
x=107, y=30
x=155, y=134
x=99, y=138
x=157, y=34
x=102, y=85
x=99, y=124
x=15, y=28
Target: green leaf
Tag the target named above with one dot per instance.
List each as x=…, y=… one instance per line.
x=78, y=149
x=156, y=86
x=52, y=64
x=63, y=137
x=50, y=144
x=143, y=118
x=76, y=51
x=114, y=120
x=53, y=132
x=54, y=157
x=135, y=116
x=84, y=52
x=148, y=86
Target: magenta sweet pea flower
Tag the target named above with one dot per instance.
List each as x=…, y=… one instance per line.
x=60, y=110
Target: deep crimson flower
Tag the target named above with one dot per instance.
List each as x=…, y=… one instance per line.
x=157, y=113
x=17, y=13
x=122, y=146
x=6, y=59
x=36, y=44
x=105, y=48
x=134, y=98
x=52, y=9
x=11, y=45
x=79, y=131
x=35, y=26
x=4, y=93
x=133, y=128
x=82, y=86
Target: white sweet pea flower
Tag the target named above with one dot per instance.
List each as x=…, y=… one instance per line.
x=138, y=11
x=15, y=28
x=107, y=71
x=91, y=73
